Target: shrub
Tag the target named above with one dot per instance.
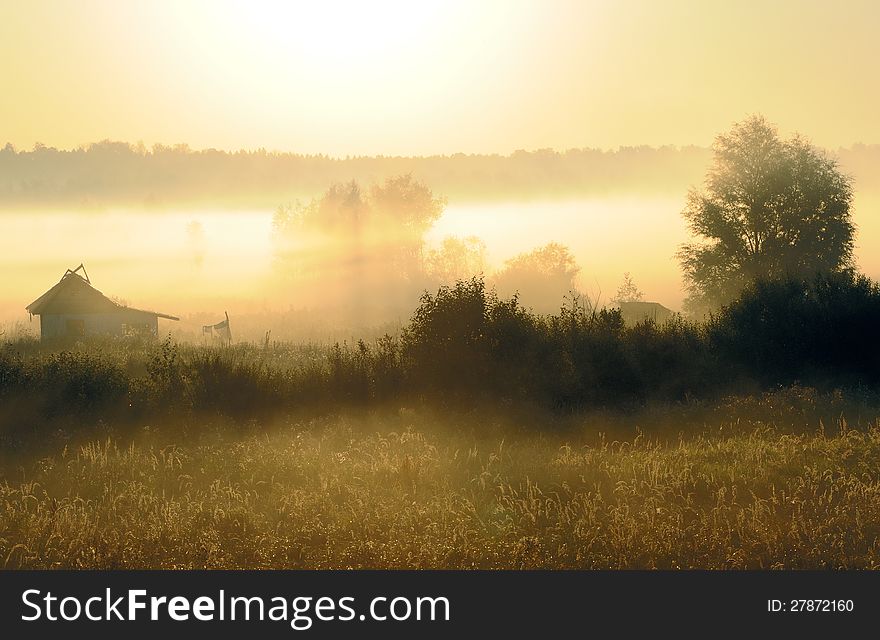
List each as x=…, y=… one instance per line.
x=445, y=345
x=464, y=344
x=787, y=330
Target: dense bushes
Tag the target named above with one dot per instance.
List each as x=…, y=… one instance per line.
x=782, y=331
x=465, y=341
x=463, y=344
x=448, y=344
x=63, y=387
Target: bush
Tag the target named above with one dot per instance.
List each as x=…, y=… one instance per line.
x=463, y=345
x=787, y=330
x=446, y=345
x=466, y=342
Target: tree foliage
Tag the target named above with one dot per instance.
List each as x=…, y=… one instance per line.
x=783, y=331
x=628, y=291
x=456, y=259
x=542, y=277
x=361, y=236
x=771, y=209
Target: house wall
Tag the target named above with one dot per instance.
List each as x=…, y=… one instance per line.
x=95, y=324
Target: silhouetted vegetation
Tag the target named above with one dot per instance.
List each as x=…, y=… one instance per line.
x=772, y=209
x=781, y=331
x=463, y=346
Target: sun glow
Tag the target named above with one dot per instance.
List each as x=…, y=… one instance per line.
x=420, y=77
x=355, y=66
x=338, y=33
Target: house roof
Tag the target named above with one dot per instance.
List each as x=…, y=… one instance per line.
x=637, y=311
x=75, y=294
x=637, y=306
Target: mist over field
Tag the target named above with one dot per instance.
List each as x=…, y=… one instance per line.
x=164, y=229
x=439, y=285
x=223, y=259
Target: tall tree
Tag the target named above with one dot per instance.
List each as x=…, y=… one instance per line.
x=542, y=277
x=456, y=259
x=362, y=247
x=771, y=209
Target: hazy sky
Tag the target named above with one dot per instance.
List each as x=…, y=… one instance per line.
x=425, y=76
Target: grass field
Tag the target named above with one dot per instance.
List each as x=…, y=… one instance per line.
x=482, y=436
x=415, y=489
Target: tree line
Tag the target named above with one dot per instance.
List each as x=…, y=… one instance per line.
x=107, y=173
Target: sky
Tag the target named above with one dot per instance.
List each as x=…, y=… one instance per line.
x=403, y=77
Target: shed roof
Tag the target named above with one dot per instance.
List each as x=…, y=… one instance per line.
x=637, y=311
x=74, y=294
x=637, y=306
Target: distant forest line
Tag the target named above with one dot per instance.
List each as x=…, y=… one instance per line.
x=107, y=173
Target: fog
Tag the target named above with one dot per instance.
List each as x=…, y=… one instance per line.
x=198, y=264
x=189, y=262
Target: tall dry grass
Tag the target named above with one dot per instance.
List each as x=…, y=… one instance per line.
x=406, y=490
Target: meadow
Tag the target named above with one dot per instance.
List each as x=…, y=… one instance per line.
x=482, y=436
x=411, y=489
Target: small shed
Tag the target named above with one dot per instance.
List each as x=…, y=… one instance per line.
x=74, y=308
x=638, y=311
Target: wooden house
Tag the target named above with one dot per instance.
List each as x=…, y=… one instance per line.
x=73, y=308
x=637, y=311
